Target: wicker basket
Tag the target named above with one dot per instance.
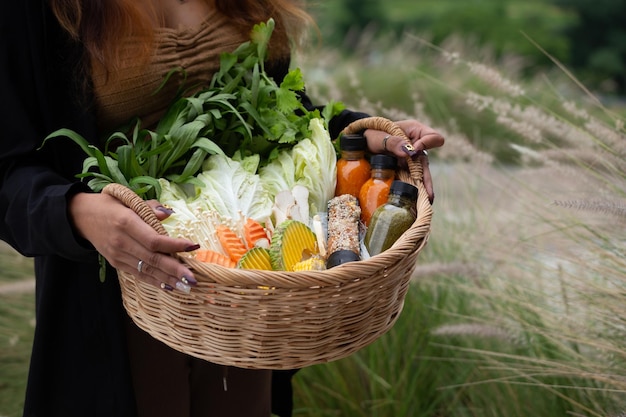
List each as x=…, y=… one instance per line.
x=281, y=320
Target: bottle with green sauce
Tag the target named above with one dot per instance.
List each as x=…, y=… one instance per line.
x=392, y=219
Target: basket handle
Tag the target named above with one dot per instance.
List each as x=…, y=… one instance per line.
x=131, y=200
x=386, y=125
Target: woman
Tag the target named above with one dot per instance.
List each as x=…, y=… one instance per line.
x=90, y=66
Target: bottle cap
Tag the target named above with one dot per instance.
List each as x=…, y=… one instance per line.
x=383, y=161
x=404, y=189
x=354, y=142
x=341, y=257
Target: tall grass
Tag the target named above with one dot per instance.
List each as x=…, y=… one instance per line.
x=517, y=308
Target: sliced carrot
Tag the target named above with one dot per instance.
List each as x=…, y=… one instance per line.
x=253, y=232
x=212, y=257
x=231, y=243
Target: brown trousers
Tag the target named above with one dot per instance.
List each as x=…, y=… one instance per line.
x=171, y=384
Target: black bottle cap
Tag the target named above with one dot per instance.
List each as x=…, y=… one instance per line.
x=354, y=142
x=404, y=189
x=341, y=257
x=383, y=161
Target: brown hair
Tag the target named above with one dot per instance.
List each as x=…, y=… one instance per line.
x=100, y=24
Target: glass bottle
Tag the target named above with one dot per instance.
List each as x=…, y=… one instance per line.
x=375, y=191
x=353, y=169
x=392, y=219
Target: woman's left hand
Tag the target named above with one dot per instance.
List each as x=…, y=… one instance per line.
x=422, y=137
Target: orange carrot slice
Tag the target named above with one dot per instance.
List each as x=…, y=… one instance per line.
x=255, y=234
x=231, y=243
x=212, y=257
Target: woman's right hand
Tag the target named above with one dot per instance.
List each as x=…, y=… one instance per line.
x=422, y=137
x=129, y=243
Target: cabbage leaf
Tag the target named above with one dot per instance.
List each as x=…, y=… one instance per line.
x=310, y=163
x=231, y=188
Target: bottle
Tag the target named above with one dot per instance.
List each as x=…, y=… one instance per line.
x=341, y=257
x=344, y=231
x=353, y=169
x=375, y=191
x=392, y=219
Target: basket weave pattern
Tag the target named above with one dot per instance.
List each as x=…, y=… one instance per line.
x=274, y=319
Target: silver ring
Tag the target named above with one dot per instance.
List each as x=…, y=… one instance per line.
x=139, y=266
x=385, y=139
x=424, y=152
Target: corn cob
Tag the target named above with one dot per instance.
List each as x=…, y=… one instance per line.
x=314, y=263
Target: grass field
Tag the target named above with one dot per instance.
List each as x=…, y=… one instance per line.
x=17, y=319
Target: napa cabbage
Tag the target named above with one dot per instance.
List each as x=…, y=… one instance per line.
x=232, y=188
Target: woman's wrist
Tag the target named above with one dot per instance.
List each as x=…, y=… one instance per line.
x=79, y=213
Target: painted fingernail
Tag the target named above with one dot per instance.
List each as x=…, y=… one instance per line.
x=166, y=287
x=410, y=150
x=165, y=210
x=192, y=248
x=188, y=280
x=180, y=286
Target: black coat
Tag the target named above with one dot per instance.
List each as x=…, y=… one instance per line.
x=79, y=366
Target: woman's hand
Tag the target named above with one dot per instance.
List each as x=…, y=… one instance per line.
x=129, y=243
x=422, y=137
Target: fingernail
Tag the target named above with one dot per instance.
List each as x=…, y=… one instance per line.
x=188, y=280
x=165, y=210
x=192, y=248
x=166, y=287
x=180, y=286
x=410, y=150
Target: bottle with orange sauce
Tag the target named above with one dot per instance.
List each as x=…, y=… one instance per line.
x=353, y=168
x=375, y=191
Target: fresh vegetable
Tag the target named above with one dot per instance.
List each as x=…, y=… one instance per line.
x=209, y=256
x=279, y=190
x=310, y=163
x=256, y=258
x=314, y=263
x=291, y=242
x=255, y=235
x=318, y=229
x=292, y=204
x=231, y=243
x=227, y=187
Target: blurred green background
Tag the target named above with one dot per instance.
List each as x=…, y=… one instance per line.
x=588, y=36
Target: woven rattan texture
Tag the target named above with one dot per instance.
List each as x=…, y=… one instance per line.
x=281, y=320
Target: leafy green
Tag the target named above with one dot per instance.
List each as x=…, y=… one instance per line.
x=232, y=188
x=310, y=163
x=241, y=113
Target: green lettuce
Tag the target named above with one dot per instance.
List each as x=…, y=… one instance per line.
x=310, y=163
x=231, y=188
